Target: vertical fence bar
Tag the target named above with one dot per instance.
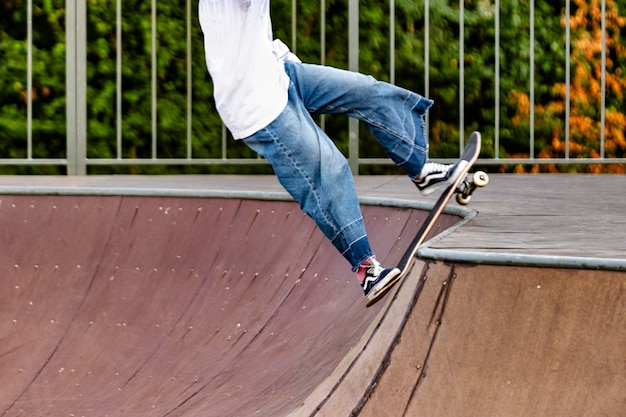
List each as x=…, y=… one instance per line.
x=353, y=63
x=70, y=82
x=392, y=41
x=531, y=152
x=29, y=79
x=224, y=141
x=531, y=116
x=81, y=78
x=603, y=82
x=189, y=83
x=496, y=113
x=323, y=32
x=118, y=77
x=76, y=86
x=154, y=79
x=294, y=26
x=567, y=76
x=427, y=57
x=323, y=48
x=461, y=76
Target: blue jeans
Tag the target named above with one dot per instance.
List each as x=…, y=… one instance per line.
x=309, y=165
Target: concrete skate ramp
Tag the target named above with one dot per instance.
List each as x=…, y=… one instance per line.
x=157, y=306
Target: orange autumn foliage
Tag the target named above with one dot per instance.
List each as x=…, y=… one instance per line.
x=585, y=94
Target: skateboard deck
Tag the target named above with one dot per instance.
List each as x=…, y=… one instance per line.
x=462, y=187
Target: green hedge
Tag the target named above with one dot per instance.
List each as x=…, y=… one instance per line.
x=48, y=92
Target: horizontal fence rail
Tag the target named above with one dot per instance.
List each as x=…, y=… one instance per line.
x=195, y=135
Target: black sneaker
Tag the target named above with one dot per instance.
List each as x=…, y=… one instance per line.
x=435, y=176
x=378, y=278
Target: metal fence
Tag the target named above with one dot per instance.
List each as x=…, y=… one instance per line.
x=77, y=162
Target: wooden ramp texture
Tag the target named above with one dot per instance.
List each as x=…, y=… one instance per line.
x=170, y=306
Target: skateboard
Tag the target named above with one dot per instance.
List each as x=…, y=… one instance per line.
x=463, y=188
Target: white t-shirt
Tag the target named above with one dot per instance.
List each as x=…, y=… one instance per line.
x=250, y=83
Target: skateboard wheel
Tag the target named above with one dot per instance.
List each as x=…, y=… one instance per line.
x=463, y=200
x=480, y=178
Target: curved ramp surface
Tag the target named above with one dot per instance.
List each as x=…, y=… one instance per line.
x=147, y=306
x=151, y=306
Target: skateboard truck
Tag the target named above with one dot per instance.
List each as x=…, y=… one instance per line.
x=469, y=184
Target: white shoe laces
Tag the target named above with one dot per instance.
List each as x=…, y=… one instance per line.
x=434, y=167
x=375, y=268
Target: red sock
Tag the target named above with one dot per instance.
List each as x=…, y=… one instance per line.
x=362, y=269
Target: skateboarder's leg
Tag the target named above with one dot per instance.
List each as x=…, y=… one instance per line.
x=316, y=174
x=394, y=115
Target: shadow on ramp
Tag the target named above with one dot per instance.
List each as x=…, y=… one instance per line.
x=165, y=306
